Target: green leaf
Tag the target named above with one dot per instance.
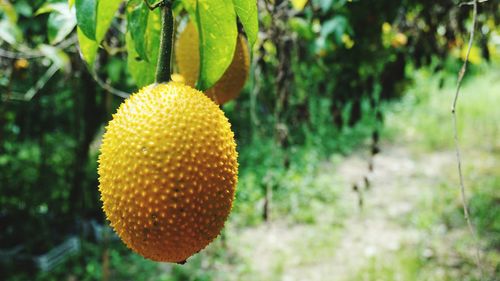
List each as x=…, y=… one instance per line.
x=88, y=48
x=61, y=8
x=86, y=14
x=59, y=26
x=302, y=27
x=71, y=3
x=247, y=13
x=61, y=21
x=106, y=10
x=137, y=18
x=190, y=6
x=338, y=26
x=142, y=71
x=23, y=8
x=9, y=11
x=216, y=21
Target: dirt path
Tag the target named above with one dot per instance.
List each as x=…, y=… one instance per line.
x=281, y=251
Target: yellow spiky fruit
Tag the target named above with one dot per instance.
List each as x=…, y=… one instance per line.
x=188, y=60
x=168, y=171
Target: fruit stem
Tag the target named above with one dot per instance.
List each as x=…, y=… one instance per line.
x=164, y=66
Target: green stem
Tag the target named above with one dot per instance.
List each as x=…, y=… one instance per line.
x=163, y=69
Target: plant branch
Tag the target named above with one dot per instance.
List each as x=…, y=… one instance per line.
x=28, y=96
x=27, y=53
x=461, y=75
x=163, y=69
x=108, y=87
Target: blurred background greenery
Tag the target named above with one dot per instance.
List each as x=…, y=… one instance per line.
x=337, y=87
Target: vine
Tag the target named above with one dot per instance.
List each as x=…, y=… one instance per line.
x=461, y=75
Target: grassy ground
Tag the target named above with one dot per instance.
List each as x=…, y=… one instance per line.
x=411, y=226
x=422, y=123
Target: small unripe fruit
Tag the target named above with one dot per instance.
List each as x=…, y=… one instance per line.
x=230, y=84
x=168, y=171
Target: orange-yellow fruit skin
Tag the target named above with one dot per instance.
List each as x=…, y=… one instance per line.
x=168, y=171
x=176, y=77
x=230, y=84
x=187, y=54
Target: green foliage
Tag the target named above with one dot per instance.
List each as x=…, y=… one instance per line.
x=247, y=14
x=137, y=19
x=94, y=18
x=485, y=209
x=143, y=70
x=428, y=114
x=216, y=21
x=86, y=13
x=106, y=11
x=61, y=21
x=217, y=39
x=88, y=48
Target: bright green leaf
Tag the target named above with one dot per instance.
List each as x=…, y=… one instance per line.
x=61, y=8
x=86, y=14
x=137, y=18
x=247, y=13
x=9, y=10
x=142, y=71
x=106, y=10
x=177, y=8
x=71, y=3
x=190, y=6
x=88, y=48
x=216, y=21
